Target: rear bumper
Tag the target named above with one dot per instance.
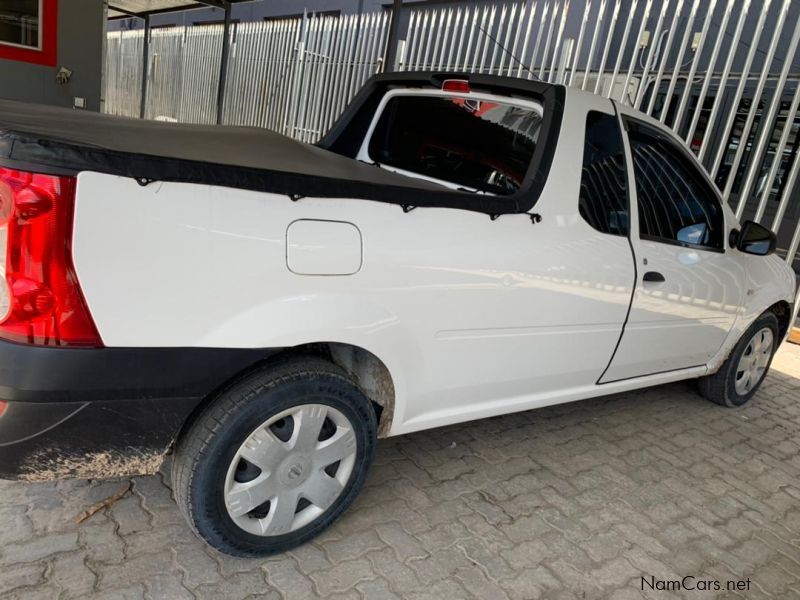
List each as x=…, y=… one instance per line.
x=105, y=412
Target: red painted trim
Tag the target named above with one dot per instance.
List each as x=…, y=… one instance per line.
x=48, y=55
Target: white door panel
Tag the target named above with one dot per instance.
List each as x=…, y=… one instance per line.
x=682, y=320
x=677, y=345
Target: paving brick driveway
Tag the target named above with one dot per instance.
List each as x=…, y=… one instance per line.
x=577, y=501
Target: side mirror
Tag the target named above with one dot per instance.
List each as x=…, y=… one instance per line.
x=755, y=239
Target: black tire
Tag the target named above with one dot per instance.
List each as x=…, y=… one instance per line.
x=720, y=387
x=207, y=449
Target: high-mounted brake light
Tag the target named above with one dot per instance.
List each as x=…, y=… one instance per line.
x=460, y=86
x=40, y=300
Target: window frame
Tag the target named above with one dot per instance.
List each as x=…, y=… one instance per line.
x=40, y=37
x=710, y=189
x=347, y=133
x=46, y=52
x=363, y=151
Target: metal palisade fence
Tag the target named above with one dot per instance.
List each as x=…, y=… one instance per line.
x=294, y=76
x=723, y=74
x=666, y=59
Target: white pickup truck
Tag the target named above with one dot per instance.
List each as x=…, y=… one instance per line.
x=457, y=247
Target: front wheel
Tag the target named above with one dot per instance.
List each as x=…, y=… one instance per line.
x=275, y=459
x=741, y=375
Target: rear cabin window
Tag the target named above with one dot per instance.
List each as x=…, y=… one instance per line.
x=483, y=146
x=603, y=201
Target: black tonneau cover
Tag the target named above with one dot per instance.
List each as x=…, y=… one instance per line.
x=77, y=140
x=59, y=140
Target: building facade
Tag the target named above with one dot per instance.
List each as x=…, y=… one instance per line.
x=52, y=53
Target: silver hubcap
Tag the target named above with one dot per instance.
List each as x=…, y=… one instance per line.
x=754, y=361
x=290, y=470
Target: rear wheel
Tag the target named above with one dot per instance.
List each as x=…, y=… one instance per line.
x=741, y=375
x=275, y=459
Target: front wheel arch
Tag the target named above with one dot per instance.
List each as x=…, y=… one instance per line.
x=720, y=387
x=783, y=312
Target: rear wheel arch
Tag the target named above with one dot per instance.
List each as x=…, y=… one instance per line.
x=372, y=375
x=366, y=370
x=277, y=476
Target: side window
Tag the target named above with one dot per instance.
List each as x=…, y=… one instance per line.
x=603, y=201
x=676, y=205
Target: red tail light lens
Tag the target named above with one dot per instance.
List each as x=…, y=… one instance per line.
x=40, y=300
x=3, y=407
x=6, y=202
x=460, y=86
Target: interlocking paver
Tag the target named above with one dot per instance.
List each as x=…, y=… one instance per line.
x=101, y=542
x=532, y=582
x=344, y=576
x=71, y=574
x=165, y=586
x=573, y=501
x=235, y=587
x=290, y=582
x=196, y=564
x=441, y=590
x=311, y=558
x=353, y=546
x=16, y=526
x=19, y=575
x=402, y=579
x=38, y=548
x=134, y=570
x=377, y=589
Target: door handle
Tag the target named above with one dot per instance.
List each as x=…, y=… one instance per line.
x=653, y=277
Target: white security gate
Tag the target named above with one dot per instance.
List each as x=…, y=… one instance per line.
x=666, y=58
x=723, y=74
x=294, y=76
x=123, y=73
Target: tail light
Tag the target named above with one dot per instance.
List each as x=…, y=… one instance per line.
x=40, y=300
x=3, y=407
x=460, y=86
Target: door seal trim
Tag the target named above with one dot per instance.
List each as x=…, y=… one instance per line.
x=651, y=374
x=630, y=245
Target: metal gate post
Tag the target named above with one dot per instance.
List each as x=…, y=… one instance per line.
x=567, y=48
x=145, y=65
x=290, y=122
x=400, y=58
x=223, y=67
x=394, y=31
